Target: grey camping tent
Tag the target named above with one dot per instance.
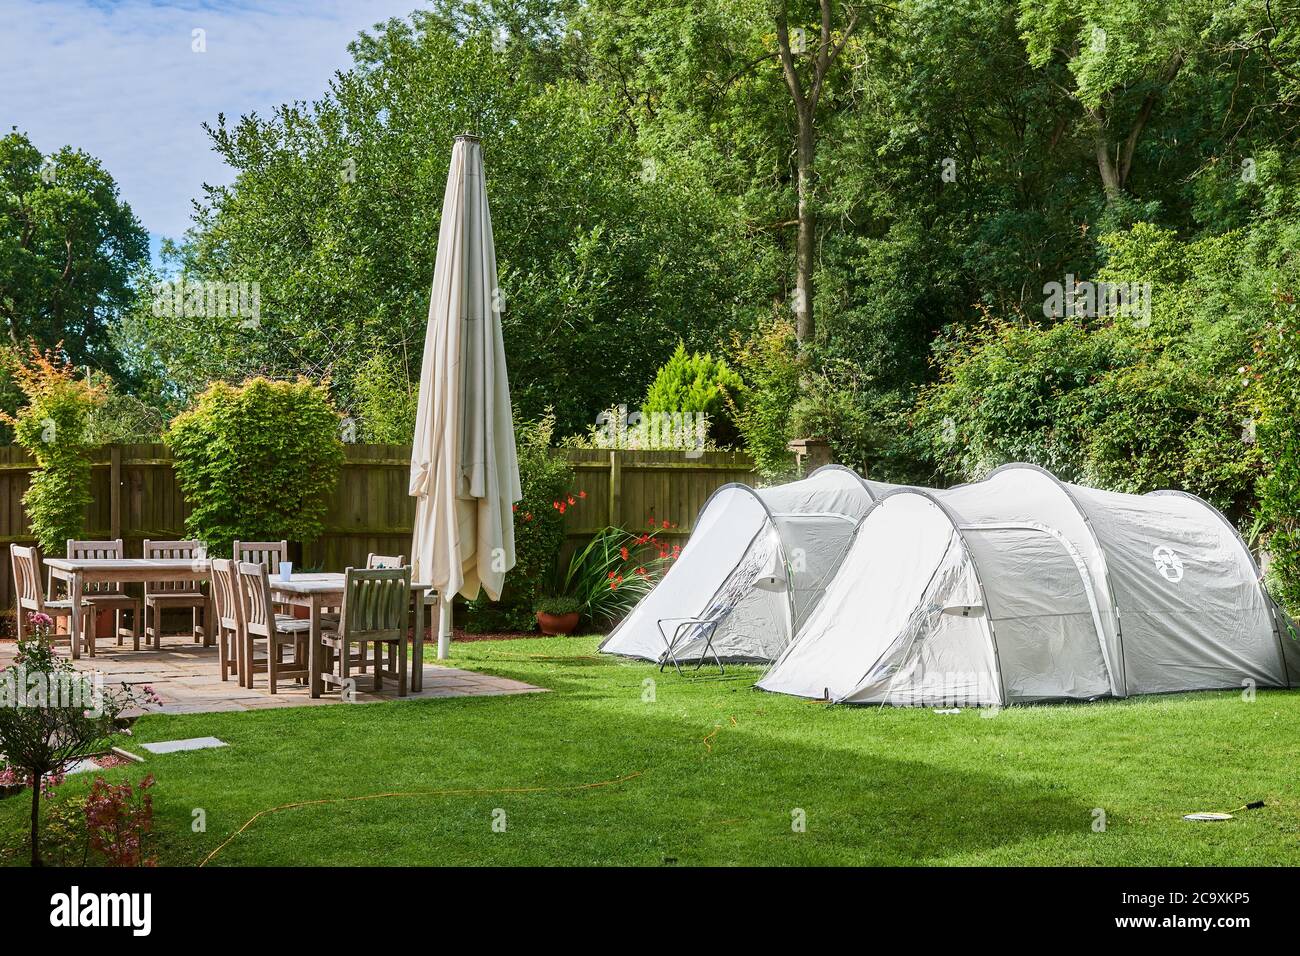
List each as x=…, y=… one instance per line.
x=1023, y=588
x=755, y=566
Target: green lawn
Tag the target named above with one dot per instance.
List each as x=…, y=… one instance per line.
x=721, y=767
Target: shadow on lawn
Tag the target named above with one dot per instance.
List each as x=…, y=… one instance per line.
x=709, y=794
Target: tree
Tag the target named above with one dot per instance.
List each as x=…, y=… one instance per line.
x=53, y=428
x=605, y=261
x=806, y=87
x=1121, y=59
x=51, y=716
x=69, y=247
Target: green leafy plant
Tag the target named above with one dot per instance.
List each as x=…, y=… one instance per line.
x=697, y=383
x=769, y=361
x=612, y=573
x=559, y=606
x=257, y=461
x=53, y=427
x=385, y=401
x=545, y=480
x=1275, y=375
x=124, y=419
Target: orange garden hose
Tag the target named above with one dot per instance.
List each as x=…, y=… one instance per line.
x=413, y=793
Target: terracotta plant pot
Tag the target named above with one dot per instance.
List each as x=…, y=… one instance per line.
x=557, y=623
x=103, y=624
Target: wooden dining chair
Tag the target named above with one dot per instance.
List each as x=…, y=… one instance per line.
x=31, y=597
x=376, y=608
x=261, y=623
x=373, y=561
x=227, y=622
x=109, y=594
x=268, y=553
x=165, y=595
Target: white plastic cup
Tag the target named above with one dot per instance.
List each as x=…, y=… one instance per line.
x=286, y=570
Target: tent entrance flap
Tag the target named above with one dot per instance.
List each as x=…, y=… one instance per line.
x=1043, y=610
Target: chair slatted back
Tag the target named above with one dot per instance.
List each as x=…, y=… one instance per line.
x=93, y=550
x=255, y=599
x=266, y=553
x=376, y=603
x=28, y=592
x=224, y=592
x=185, y=550
x=374, y=561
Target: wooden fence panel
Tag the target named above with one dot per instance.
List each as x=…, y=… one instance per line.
x=370, y=510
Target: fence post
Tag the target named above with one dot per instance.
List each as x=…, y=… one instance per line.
x=615, y=488
x=115, y=491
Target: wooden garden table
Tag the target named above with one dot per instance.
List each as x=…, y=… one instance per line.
x=315, y=591
x=79, y=572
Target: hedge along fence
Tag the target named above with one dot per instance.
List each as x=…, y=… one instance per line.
x=370, y=509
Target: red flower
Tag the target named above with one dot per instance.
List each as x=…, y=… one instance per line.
x=623, y=552
x=666, y=524
x=653, y=523
x=642, y=571
x=612, y=575
x=572, y=500
x=582, y=494
x=528, y=516
x=514, y=507
x=555, y=504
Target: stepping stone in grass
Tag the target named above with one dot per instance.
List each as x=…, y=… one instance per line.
x=193, y=743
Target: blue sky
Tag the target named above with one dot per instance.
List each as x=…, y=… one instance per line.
x=119, y=79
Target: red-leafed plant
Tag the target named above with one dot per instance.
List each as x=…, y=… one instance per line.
x=119, y=819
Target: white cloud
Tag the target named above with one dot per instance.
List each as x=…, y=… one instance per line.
x=121, y=81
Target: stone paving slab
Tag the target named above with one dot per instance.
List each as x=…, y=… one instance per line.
x=187, y=679
x=190, y=743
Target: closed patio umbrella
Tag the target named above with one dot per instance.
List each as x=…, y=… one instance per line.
x=464, y=470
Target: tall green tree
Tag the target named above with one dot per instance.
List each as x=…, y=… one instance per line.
x=607, y=256
x=69, y=248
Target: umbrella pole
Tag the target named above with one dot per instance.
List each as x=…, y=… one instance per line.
x=444, y=628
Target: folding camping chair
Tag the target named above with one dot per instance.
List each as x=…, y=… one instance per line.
x=758, y=571
x=708, y=625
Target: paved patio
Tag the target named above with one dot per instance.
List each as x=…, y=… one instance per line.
x=185, y=677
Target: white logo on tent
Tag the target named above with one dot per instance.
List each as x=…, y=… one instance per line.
x=1168, y=563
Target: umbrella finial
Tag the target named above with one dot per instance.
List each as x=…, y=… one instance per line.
x=469, y=137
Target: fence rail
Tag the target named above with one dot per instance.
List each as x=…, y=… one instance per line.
x=134, y=495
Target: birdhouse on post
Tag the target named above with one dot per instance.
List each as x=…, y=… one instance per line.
x=810, y=453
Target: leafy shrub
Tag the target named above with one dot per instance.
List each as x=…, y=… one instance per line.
x=770, y=366
x=697, y=383
x=1012, y=392
x=257, y=461
x=611, y=574
x=837, y=405
x=53, y=427
x=119, y=819
x=385, y=401
x=614, y=428
x=545, y=480
x=559, y=606
x=1276, y=376
x=124, y=419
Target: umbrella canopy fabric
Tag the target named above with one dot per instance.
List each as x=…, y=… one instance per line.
x=464, y=468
